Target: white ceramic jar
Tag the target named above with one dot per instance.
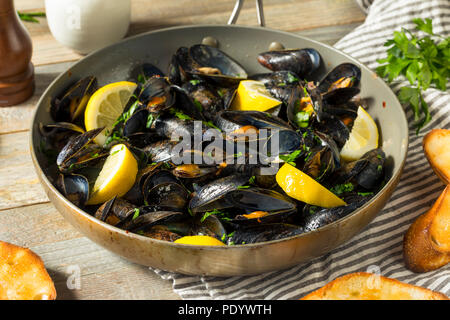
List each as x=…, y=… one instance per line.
x=87, y=25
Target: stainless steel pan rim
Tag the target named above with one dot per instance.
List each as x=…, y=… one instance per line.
x=228, y=249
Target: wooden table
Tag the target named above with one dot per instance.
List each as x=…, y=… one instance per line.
x=27, y=218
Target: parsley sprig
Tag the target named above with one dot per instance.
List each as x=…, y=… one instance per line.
x=423, y=60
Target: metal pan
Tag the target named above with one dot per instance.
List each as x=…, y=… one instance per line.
x=243, y=43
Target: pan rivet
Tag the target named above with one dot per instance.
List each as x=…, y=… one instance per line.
x=210, y=41
x=276, y=46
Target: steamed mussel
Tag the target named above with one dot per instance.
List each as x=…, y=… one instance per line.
x=206, y=167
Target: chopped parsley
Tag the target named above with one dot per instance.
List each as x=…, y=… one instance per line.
x=136, y=213
x=302, y=119
x=179, y=114
x=291, y=157
x=216, y=212
x=342, y=188
x=365, y=194
x=291, y=78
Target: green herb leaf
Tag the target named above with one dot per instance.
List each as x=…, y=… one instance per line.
x=423, y=60
x=290, y=158
x=342, y=188
x=179, y=114
x=218, y=213
x=136, y=213
x=29, y=16
x=302, y=119
x=291, y=78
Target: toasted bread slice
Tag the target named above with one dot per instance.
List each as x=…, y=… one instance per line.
x=436, y=147
x=369, y=286
x=23, y=275
x=418, y=251
x=440, y=225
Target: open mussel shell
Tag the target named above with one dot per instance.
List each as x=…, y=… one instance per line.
x=148, y=218
x=294, y=105
x=57, y=134
x=340, y=84
x=215, y=66
x=156, y=94
x=136, y=194
x=186, y=103
x=205, y=98
x=340, y=96
x=72, y=103
x=342, y=76
x=172, y=195
x=231, y=120
x=368, y=171
x=264, y=232
x=75, y=150
x=50, y=130
x=115, y=211
x=88, y=156
x=302, y=62
x=210, y=196
x=260, y=205
x=74, y=187
x=320, y=163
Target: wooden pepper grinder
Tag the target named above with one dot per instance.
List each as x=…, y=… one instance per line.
x=16, y=69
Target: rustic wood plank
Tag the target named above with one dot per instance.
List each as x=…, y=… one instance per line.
x=328, y=35
x=19, y=184
x=103, y=275
x=26, y=216
x=280, y=14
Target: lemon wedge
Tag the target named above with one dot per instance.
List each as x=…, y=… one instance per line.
x=300, y=186
x=363, y=137
x=116, y=177
x=105, y=107
x=253, y=95
x=200, y=241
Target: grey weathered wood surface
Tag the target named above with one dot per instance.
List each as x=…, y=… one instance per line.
x=27, y=218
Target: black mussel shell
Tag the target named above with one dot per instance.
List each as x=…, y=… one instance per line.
x=74, y=147
x=210, y=196
x=72, y=103
x=230, y=72
x=205, y=98
x=74, y=187
x=345, y=70
x=264, y=232
x=302, y=62
x=145, y=71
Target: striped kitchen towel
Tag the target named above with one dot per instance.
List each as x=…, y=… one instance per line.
x=379, y=247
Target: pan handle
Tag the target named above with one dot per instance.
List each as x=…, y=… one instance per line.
x=237, y=10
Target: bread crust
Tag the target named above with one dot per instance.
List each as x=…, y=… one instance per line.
x=369, y=286
x=436, y=148
x=418, y=252
x=23, y=275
